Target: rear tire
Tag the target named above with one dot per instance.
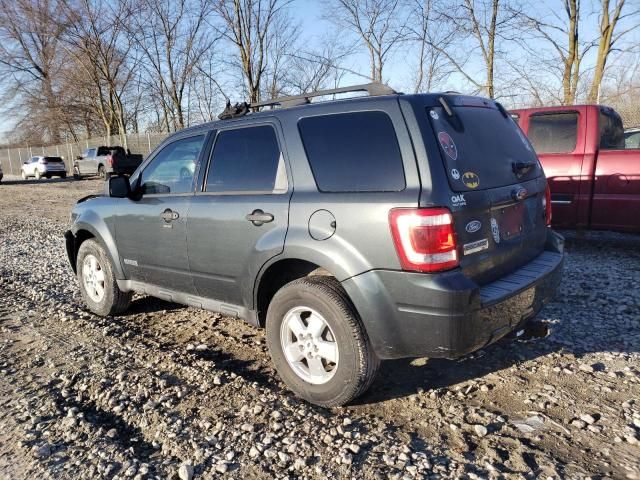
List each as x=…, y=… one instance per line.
x=63, y=175
x=76, y=172
x=97, y=282
x=313, y=300
x=37, y=175
x=101, y=172
x=47, y=176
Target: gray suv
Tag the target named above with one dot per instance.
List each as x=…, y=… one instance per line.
x=353, y=230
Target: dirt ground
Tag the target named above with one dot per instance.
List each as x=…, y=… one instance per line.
x=167, y=391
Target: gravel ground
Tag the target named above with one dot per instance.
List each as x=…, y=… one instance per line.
x=167, y=391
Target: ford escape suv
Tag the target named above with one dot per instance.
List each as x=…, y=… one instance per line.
x=354, y=230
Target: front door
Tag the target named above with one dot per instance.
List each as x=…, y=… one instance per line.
x=151, y=232
x=239, y=219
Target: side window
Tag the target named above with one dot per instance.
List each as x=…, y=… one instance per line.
x=353, y=152
x=91, y=152
x=172, y=169
x=632, y=140
x=611, y=131
x=553, y=133
x=246, y=159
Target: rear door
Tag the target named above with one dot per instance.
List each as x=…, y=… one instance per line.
x=616, y=190
x=497, y=183
x=238, y=220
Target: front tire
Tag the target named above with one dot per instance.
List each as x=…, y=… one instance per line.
x=37, y=175
x=98, y=284
x=23, y=175
x=317, y=342
x=76, y=172
x=101, y=172
x=63, y=175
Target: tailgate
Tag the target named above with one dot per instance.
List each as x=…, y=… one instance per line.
x=500, y=221
x=498, y=232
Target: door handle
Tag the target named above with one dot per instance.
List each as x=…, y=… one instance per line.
x=258, y=217
x=169, y=215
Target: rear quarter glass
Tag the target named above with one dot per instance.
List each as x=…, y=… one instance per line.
x=480, y=147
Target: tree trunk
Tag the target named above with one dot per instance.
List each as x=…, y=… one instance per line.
x=607, y=27
x=571, y=63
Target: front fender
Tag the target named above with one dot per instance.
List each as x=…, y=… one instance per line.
x=92, y=223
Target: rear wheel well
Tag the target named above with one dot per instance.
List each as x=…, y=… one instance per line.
x=277, y=276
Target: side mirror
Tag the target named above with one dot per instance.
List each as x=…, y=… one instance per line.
x=79, y=157
x=119, y=187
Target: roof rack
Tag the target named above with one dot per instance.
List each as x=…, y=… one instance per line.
x=374, y=89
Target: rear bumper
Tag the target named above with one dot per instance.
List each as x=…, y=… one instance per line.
x=447, y=315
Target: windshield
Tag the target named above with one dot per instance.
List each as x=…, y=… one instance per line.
x=482, y=149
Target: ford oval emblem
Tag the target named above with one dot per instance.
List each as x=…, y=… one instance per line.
x=519, y=194
x=473, y=226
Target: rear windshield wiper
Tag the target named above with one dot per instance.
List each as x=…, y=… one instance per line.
x=451, y=117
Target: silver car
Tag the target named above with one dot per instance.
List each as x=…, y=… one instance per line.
x=41, y=166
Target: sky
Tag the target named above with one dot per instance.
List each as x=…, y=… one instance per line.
x=398, y=70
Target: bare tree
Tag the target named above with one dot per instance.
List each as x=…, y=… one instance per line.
x=30, y=32
x=621, y=88
x=98, y=42
x=426, y=30
x=380, y=26
x=251, y=26
x=479, y=26
x=562, y=32
x=174, y=37
x=316, y=68
x=608, y=40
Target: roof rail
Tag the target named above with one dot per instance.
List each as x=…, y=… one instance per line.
x=374, y=89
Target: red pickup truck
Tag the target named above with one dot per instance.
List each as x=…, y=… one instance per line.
x=594, y=180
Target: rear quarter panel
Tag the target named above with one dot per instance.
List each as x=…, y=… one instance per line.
x=362, y=240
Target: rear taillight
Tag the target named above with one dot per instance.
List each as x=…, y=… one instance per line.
x=110, y=160
x=546, y=204
x=424, y=238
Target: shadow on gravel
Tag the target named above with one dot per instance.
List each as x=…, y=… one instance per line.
x=247, y=369
x=42, y=181
x=151, y=305
x=127, y=436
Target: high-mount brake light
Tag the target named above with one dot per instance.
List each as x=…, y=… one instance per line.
x=424, y=238
x=546, y=203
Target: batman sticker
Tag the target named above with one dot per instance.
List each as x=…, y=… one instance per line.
x=470, y=180
x=448, y=145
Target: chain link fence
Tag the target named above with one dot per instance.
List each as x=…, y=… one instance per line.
x=12, y=159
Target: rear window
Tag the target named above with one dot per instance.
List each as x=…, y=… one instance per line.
x=353, y=152
x=53, y=159
x=482, y=148
x=611, y=130
x=554, y=132
x=107, y=150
